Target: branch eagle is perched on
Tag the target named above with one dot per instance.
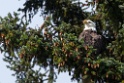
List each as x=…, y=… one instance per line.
x=91, y=37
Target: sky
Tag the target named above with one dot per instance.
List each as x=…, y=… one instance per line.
x=7, y=6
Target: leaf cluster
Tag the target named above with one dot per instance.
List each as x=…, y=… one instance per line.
x=56, y=45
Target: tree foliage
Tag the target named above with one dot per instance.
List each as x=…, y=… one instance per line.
x=55, y=45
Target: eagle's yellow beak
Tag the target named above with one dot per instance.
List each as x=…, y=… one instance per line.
x=84, y=21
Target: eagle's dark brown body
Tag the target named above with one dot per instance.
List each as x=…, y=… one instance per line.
x=91, y=38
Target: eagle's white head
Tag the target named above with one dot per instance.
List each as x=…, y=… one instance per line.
x=89, y=25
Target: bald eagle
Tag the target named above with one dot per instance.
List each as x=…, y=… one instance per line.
x=91, y=37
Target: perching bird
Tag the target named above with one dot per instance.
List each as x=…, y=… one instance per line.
x=91, y=37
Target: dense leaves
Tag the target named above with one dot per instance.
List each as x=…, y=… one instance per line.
x=23, y=49
x=56, y=45
x=60, y=10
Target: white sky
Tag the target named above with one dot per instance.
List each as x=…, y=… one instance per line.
x=5, y=74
